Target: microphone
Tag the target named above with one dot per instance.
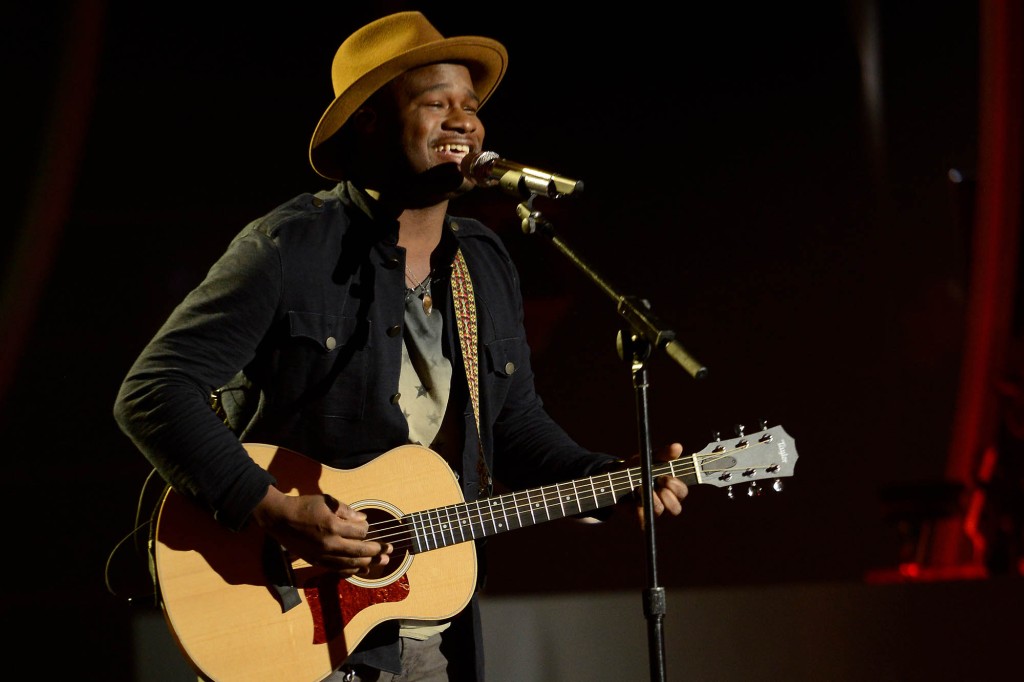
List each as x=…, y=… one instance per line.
x=487, y=169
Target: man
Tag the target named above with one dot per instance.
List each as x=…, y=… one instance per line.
x=347, y=323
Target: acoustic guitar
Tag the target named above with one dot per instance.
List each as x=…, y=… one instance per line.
x=241, y=608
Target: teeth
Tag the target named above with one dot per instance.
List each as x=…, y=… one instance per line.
x=452, y=148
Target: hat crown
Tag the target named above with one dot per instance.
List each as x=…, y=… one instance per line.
x=378, y=42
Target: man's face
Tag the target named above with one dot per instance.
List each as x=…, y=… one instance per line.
x=436, y=108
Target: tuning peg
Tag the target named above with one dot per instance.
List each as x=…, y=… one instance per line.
x=753, y=490
x=777, y=485
x=740, y=428
x=764, y=424
x=730, y=493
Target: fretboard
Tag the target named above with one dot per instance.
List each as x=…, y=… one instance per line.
x=443, y=526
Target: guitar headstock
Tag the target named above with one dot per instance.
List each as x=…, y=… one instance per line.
x=769, y=454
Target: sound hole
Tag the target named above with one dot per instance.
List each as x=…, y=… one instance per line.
x=385, y=526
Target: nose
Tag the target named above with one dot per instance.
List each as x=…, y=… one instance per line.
x=463, y=121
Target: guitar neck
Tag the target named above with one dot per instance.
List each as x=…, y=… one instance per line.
x=443, y=526
x=745, y=459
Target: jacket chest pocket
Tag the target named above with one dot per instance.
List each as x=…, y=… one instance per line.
x=501, y=360
x=503, y=356
x=329, y=358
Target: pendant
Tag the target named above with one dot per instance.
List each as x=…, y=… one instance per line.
x=428, y=303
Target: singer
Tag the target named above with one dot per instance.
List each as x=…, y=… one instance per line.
x=355, y=327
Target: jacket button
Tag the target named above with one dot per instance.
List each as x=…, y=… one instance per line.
x=318, y=202
x=394, y=331
x=391, y=263
x=510, y=367
x=395, y=398
x=455, y=226
x=331, y=343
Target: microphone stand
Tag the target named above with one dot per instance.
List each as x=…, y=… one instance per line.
x=641, y=333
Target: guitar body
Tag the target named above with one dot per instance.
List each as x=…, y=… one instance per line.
x=240, y=608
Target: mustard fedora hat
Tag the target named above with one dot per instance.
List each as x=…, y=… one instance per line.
x=382, y=50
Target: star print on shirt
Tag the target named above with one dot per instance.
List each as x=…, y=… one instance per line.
x=425, y=378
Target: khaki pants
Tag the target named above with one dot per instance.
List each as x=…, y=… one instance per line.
x=422, y=661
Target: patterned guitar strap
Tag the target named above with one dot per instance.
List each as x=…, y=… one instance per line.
x=465, y=320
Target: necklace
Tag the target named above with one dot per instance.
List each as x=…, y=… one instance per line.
x=413, y=282
x=428, y=301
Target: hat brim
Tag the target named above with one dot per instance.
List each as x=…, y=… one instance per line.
x=486, y=59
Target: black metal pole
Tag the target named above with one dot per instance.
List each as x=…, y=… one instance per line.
x=642, y=333
x=636, y=351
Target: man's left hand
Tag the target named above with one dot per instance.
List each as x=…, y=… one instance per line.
x=669, y=491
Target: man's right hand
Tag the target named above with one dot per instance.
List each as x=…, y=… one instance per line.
x=322, y=530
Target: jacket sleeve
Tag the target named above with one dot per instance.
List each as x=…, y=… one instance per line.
x=163, y=404
x=530, y=448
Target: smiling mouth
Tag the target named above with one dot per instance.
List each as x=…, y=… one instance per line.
x=453, y=151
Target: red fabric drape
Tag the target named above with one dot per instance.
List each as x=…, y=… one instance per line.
x=997, y=223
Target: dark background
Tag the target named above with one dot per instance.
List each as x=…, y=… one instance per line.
x=810, y=249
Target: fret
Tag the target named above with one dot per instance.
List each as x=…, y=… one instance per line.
x=418, y=543
x=493, y=515
x=431, y=529
x=486, y=515
x=576, y=495
x=504, y=509
x=469, y=518
x=545, y=504
x=561, y=505
x=516, y=500
x=611, y=486
x=421, y=532
x=424, y=517
x=460, y=522
x=448, y=519
x=462, y=518
x=593, y=491
x=529, y=508
x=490, y=509
x=439, y=528
x=483, y=511
x=485, y=518
x=479, y=521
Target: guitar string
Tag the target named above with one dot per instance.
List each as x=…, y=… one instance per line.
x=547, y=497
x=486, y=512
x=517, y=503
x=401, y=532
